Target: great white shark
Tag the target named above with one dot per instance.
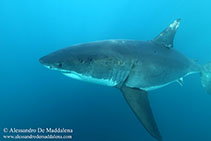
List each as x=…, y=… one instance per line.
x=133, y=66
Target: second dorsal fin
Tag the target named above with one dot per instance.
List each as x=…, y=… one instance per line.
x=166, y=38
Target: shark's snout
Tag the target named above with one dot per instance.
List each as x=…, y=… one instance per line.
x=51, y=62
x=42, y=61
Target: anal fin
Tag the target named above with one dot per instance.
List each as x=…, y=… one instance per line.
x=139, y=103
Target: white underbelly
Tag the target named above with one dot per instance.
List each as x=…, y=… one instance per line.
x=149, y=88
x=157, y=86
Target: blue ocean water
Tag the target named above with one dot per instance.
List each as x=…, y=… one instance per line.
x=32, y=96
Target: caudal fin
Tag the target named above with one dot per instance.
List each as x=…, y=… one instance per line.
x=206, y=77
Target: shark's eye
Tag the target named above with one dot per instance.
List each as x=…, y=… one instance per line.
x=59, y=64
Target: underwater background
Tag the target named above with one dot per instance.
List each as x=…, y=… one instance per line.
x=32, y=96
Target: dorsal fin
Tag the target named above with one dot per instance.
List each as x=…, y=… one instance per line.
x=166, y=38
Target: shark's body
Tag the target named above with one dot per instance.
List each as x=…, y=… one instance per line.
x=132, y=66
x=137, y=64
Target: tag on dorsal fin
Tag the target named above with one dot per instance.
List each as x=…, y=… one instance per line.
x=166, y=38
x=180, y=81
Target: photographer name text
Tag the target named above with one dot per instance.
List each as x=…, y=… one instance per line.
x=38, y=130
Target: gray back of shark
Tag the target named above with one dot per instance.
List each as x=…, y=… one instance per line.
x=132, y=66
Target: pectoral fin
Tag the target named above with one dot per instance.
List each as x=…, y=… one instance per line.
x=139, y=103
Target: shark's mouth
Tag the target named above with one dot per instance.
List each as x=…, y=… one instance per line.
x=89, y=78
x=57, y=69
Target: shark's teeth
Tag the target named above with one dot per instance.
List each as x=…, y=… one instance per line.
x=78, y=76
